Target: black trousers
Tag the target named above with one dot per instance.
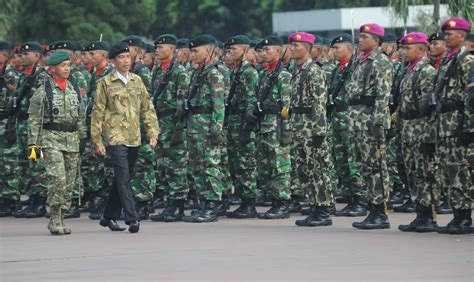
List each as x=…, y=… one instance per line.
x=123, y=161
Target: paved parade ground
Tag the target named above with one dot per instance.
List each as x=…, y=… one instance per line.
x=232, y=249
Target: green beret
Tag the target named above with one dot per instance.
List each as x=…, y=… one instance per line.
x=238, y=39
x=5, y=46
x=201, y=40
x=63, y=44
x=31, y=46
x=341, y=38
x=149, y=48
x=284, y=37
x=98, y=45
x=253, y=43
x=117, y=49
x=272, y=41
x=319, y=40
x=436, y=36
x=57, y=57
x=326, y=41
x=259, y=45
x=133, y=40
x=390, y=38
x=166, y=39
x=182, y=43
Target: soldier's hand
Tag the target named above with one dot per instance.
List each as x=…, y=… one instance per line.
x=153, y=142
x=100, y=151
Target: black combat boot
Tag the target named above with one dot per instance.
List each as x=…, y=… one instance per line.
x=7, y=207
x=174, y=211
x=428, y=222
x=377, y=219
x=296, y=204
x=234, y=199
x=398, y=195
x=263, y=200
x=73, y=211
x=191, y=204
x=246, y=210
x=222, y=207
x=24, y=207
x=207, y=214
x=411, y=227
x=279, y=210
x=342, y=199
x=159, y=200
x=38, y=208
x=407, y=207
x=86, y=203
x=142, y=210
x=319, y=216
x=445, y=208
x=461, y=223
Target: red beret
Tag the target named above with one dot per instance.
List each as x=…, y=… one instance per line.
x=373, y=28
x=456, y=23
x=415, y=38
x=302, y=37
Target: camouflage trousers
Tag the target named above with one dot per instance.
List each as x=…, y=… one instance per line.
x=395, y=163
x=311, y=167
x=242, y=162
x=348, y=174
x=92, y=171
x=370, y=161
x=62, y=172
x=205, y=166
x=143, y=182
x=228, y=184
x=274, y=167
x=172, y=167
x=455, y=171
x=9, y=184
x=420, y=167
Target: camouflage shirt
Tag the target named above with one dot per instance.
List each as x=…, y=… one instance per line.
x=308, y=94
x=64, y=108
x=144, y=73
x=118, y=109
x=11, y=77
x=368, y=92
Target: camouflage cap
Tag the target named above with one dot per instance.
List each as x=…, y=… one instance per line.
x=166, y=39
x=31, y=46
x=57, y=58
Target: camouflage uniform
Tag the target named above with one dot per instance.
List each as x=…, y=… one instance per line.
x=308, y=123
x=368, y=95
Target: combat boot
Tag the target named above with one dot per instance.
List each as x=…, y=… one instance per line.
x=411, y=227
x=159, y=200
x=263, y=200
x=246, y=210
x=296, y=204
x=142, y=210
x=191, y=204
x=99, y=210
x=445, y=208
x=377, y=219
x=234, y=199
x=6, y=207
x=461, y=223
x=67, y=231
x=23, y=209
x=38, y=209
x=428, y=222
x=319, y=216
x=279, y=210
x=407, y=207
x=174, y=211
x=222, y=208
x=73, y=211
x=207, y=214
x=54, y=225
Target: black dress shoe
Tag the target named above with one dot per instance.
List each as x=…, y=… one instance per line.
x=111, y=224
x=134, y=226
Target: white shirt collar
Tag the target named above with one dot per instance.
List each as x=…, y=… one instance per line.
x=124, y=79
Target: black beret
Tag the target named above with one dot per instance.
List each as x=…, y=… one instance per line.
x=182, y=43
x=117, y=49
x=166, y=39
x=254, y=43
x=63, y=44
x=390, y=38
x=99, y=45
x=201, y=40
x=284, y=37
x=470, y=38
x=341, y=38
x=436, y=36
x=149, y=48
x=219, y=44
x=133, y=40
x=31, y=46
x=77, y=46
x=272, y=41
x=5, y=46
x=238, y=39
x=319, y=40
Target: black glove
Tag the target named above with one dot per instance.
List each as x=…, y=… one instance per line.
x=317, y=141
x=251, y=117
x=376, y=131
x=216, y=138
x=177, y=138
x=82, y=145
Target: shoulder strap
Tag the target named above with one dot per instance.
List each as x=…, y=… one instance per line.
x=416, y=90
x=49, y=95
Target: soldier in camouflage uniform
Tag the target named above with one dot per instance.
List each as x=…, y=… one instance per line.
x=149, y=57
x=169, y=88
x=368, y=93
x=241, y=137
x=204, y=109
x=310, y=147
x=183, y=54
x=94, y=171
x=56, y=123
x=31, y=173
x=273, y=142
x=454, y=84
x=415, y=86
x=9, y=153
x=348, y=175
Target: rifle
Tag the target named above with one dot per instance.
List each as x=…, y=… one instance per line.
x=235, y=81
x=163, y=82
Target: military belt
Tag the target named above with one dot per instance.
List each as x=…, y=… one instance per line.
x=410, y=115
x=201, y=111
x=302, y=110
x=451, y=107
x=363, y=100
x=165, y=112
x=60, y=127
